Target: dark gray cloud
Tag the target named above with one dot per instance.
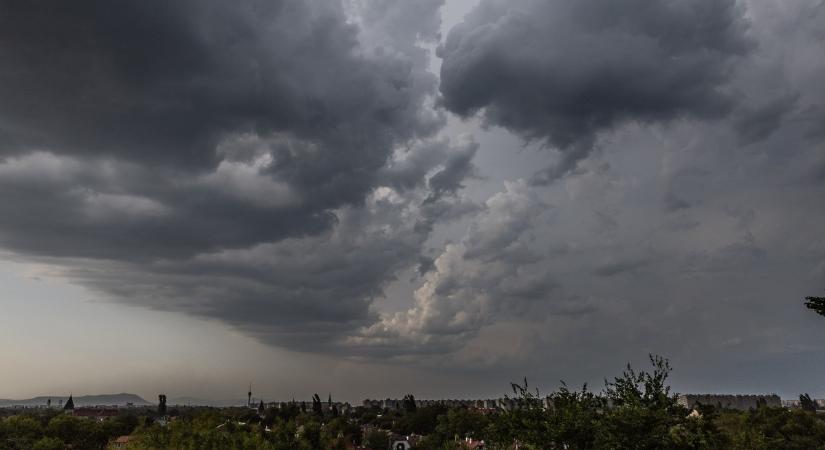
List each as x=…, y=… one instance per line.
x=303, y=293
x=684, y=188
x=160, y=82
x=613, y=268
x=107, y=209
x=238, y=123
x=755, y=124
x=715, y=277
x=184, y=104
x=457, y=168
x=674, y=202
x=564, y=71
x=269, y=164
x=284, y=168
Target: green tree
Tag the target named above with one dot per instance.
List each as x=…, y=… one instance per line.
x=778, y=428
x=462, y=423
x=807, y=403
x=409, y=403
x=64, y=427
x=527, y=423
x=575, y=417
x=121, y=425
x=48, y=443
x=311, y=434
x=344, y=430
x=817, y=304
x=641, y=410
x=422, y=421
x=317, y=409
x=377, y=440
x=699, y=431
x=22, y=431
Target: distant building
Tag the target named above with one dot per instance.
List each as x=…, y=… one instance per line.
x=373, y=403
x=484, y=405
x=796, y=404
x=739, y=402
x=791, y=404
x=121, y=442
x=69, y=406
x=473, y=444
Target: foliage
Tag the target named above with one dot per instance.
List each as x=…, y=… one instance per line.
x=699, y=431
x=575, y=417
x=316, y=405
x=48, y=443
x=21, y=431
x=527, y=423
x=409, y=403
x=51, y=430
x=377, y=439
x=773, y=428
x=817, y=304
x=421, y=421
x=642, y=411
x=806, y=403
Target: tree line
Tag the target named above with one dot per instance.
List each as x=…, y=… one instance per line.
x=635, y=410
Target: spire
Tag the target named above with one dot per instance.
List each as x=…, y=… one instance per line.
x=261, y=408
x=69, y=404
x=249, y=396
x=162, y=404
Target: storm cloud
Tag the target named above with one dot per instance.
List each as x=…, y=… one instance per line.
x=239, y=123
x=265, y=163
x=536, y=185
x=562, y=72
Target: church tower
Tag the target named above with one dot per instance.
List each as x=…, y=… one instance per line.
x=69, y=406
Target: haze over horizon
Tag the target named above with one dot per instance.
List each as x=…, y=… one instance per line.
x=372, y=198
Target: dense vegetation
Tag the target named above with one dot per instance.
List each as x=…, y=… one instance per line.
x=634, y=411
x=816, y=304
x=53, y=430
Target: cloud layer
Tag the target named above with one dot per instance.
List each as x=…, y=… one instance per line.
x=295, y=170
x=239, y=123
x=564, y=71
x=268, y=164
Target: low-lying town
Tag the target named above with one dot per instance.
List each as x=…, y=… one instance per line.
x=690, y=401
x=395, y=424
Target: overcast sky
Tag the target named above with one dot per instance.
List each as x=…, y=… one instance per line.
x=380, y=197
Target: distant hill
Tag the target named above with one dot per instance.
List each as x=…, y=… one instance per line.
x=80, y=400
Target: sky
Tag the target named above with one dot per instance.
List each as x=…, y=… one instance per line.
x=371, y=198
